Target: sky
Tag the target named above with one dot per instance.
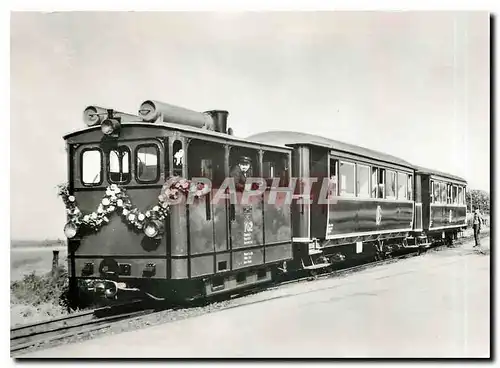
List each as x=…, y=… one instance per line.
x=413, y=85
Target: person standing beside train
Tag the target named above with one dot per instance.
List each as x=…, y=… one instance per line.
x=477, y=221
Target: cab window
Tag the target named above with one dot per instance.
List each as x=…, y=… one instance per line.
x=119, y=165
x=147, y=163
x=178, y=158
x=91, y=164
x=206, y=160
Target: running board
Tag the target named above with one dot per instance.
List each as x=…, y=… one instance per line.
x=316, y=266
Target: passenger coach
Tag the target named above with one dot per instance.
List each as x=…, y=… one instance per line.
x=443, y=210
x=369, y=209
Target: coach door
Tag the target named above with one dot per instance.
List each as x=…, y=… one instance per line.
x=277, y=207
x=245, y=217
x=277, y=215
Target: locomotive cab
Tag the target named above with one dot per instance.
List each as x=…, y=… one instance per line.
x=127, y=231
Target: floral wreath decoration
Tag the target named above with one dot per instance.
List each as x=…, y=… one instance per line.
x=116, y=199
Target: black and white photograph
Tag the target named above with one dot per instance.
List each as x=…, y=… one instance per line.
x=250, y=184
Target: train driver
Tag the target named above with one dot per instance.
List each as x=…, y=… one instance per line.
x=240, y=172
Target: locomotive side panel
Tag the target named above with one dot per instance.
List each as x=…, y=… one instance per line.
x=201, y=227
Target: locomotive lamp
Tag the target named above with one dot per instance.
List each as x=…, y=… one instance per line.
x=70, y=230
x=110, y=127
x=95, y=115
x=92, y=115
x=153, y=229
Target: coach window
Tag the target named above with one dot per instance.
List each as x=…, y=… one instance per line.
x=363, y=181
x=410, y=187
x=418, y=188
x=378, y=182
x=274, y=166
x=437, y=192
x=334, y=168
x=454, y=197
x=374, y=181
x=91, y=164
x=443, y=193
x=147, y=167
x=119, y=165
x=347, y=173
x=402, y=185
x=433, y=197
x=390, y=188
x=460, y=199
x=437, y=186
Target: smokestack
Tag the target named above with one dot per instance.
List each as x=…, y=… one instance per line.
x=220, y=120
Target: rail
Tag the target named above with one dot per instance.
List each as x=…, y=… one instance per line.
x=26, y=336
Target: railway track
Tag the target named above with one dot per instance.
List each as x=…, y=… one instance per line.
x=48, y=333
x=27, y=336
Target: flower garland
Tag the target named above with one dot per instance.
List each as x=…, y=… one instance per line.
x=174, y=187
x=116, y=199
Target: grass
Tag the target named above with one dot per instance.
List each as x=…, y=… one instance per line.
x=37, y=298
x=35, y=295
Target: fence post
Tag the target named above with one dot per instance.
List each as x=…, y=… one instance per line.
x=55, y=264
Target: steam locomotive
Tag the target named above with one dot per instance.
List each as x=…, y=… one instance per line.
x=126, y=234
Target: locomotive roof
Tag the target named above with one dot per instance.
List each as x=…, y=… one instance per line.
x=423, y=170
x=295, y=138
x=185, y=128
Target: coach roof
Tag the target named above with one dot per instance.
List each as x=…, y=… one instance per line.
x=423, y=170
x=296, y=138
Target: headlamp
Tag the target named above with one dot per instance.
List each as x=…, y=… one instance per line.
x=153, y=228
x=70, y=230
